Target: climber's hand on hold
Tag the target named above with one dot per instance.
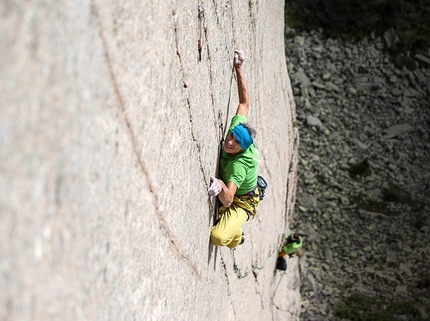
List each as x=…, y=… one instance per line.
x=215, y=187
x=239, y=57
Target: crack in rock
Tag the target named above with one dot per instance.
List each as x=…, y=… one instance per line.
x=228, y=286
x=163, y=223
x=193, y=136
x=259, y=293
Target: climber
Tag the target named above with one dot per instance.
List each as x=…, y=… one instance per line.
x=290, y=246
x=237, y=190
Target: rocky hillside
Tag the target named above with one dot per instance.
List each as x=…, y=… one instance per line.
x=363, y=196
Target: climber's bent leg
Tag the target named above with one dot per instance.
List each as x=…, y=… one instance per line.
x=228, y=231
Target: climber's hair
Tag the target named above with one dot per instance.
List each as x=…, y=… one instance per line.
x=250, y=129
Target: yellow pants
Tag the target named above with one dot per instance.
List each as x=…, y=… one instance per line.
x=228, y=231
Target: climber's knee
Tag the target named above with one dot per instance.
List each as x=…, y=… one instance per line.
x=218, y=238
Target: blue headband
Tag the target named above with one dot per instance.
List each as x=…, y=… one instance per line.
x=242, y=135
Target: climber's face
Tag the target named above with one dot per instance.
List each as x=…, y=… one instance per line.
x=232, y=146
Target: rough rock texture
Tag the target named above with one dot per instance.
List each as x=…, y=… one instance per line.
x=363, y=194
x=109, y=130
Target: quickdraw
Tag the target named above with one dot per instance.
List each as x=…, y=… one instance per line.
x=254, y=267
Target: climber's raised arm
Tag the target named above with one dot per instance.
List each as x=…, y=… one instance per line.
x=242, y=87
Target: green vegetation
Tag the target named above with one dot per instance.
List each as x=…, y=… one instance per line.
x=359, y=307
x=356, y=19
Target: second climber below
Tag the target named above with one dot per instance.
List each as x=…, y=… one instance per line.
x=237, y=189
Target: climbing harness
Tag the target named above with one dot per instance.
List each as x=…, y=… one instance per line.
x=261, y=186
x=250, y=199
x=254, y=267
x=250, y=196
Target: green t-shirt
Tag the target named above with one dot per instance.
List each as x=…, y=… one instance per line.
x=241, y=169
x=292, y=246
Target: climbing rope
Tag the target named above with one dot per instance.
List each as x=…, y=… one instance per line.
x=276, y=288
x=274, y=292
x=254, y=267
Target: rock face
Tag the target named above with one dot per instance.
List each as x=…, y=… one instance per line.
x=363, y=191
x=110, y=123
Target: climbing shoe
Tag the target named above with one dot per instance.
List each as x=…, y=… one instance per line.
x=281, y=264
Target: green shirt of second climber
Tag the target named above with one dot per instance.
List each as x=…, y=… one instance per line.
x=241, y=169
x=292, y=246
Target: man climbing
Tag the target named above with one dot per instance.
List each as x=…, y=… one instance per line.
x=289, y=246
x=237, y=190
